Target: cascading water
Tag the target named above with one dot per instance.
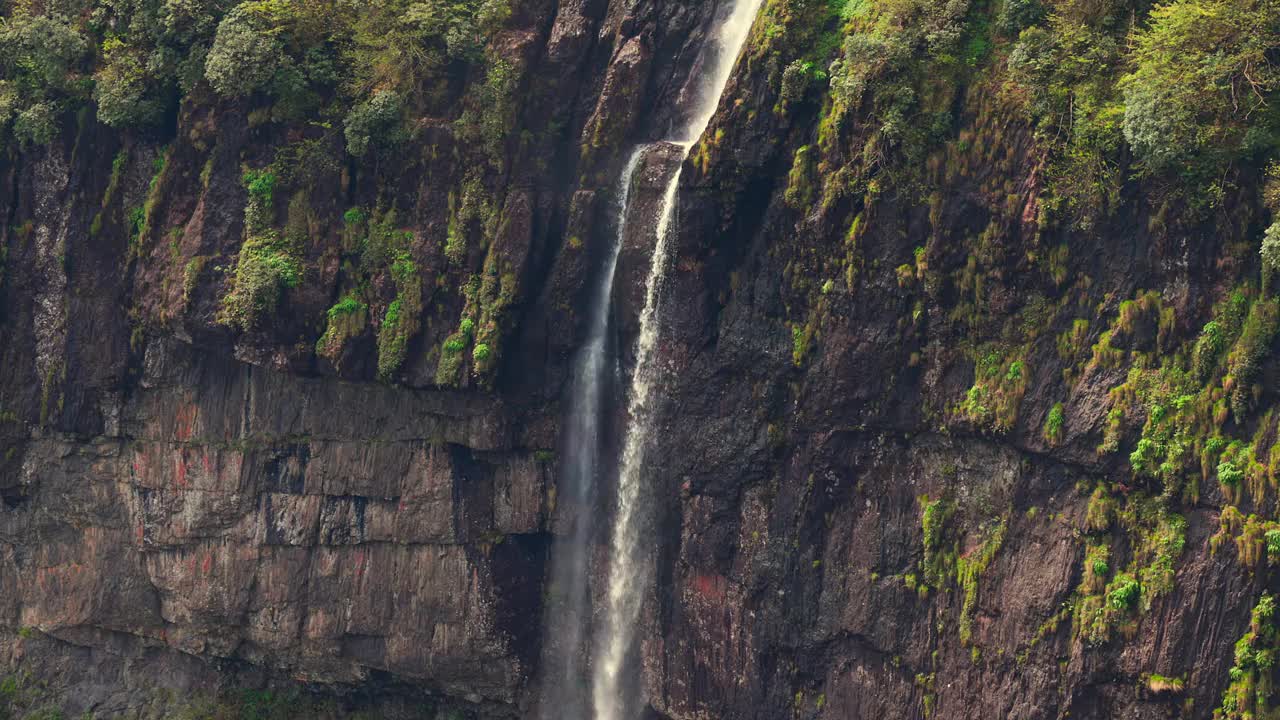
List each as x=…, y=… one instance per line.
x=569, y=616
x=628, y=565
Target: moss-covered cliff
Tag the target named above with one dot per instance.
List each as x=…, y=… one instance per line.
x=968, y=354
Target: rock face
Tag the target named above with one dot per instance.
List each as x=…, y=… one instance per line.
x=841, y=530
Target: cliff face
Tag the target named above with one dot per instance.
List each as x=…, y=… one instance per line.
x=894, y=475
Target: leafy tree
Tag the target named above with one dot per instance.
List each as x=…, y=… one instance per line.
x=121, y=88
x=1271, y=248
x=246, y=52
x=1197, y=96
x=35, y=125
x=373, y=122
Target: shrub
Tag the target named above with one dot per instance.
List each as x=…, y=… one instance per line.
x=1208, y=347
x=481, y=352
x=42, y=51
x=36, y=125
x=120, y=88
x=261, y=185
x=1124, y=593
x=1273, y=543
x=348, y=305
x=374, y=123
x=795, y=81
x=244, y=56
x=1229, y=474
x=354, y=216
x=1270, y=251
x=1201, y=70
x=1018, y=14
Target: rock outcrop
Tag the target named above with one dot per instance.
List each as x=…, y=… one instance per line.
x=865, y=504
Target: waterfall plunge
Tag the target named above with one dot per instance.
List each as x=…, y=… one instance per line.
x=628, y=564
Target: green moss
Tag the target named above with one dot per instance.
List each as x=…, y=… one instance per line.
x=346, y=319
x=402, y=319
x=800, y=192
x=142, y=218
x=265, y=268
x=450, y=362
x=191, y=275
x=108, y=197
x=939, y=547
x=969, y=569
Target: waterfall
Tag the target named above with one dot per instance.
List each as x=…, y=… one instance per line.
x=569, y=616
x=628, y=564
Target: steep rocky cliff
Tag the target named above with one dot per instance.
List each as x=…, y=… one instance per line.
x=959, y=418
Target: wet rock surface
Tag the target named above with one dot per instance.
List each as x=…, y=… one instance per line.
x=187, y=507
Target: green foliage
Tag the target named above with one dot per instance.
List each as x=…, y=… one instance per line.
x=1123, y=592
x=1249, y=694
x=346, y=319
x=402, y=44
x=455, y=344
x=1017, y=15
x=247, y=50
x=265, y=269
x=318, y=61
x=346, y=306
x=481, y=352
x=41, y=58
x=969, y=569
x=261, y=185
x=1000, y=380
x=1270, y=250
x=939, y=554
x=1096, y=562
x=489, y=119
x=121, y=87
x=1245, y=358
x=450, y=359
x=1053, y=424
x=402, y=318
x=798, y=76
x=354, y=216
x=1156, y=538
x=1272, y=537
x=799, y=193
x=472, y=205
x=375, y=123
x=1197, y=96
x=1101, y=508
x=1209, y=346
x=35, y=125
x=25, y=696
x=1229, y=474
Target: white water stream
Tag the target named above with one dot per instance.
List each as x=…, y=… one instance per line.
x=569, y=619
x=628, y=562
